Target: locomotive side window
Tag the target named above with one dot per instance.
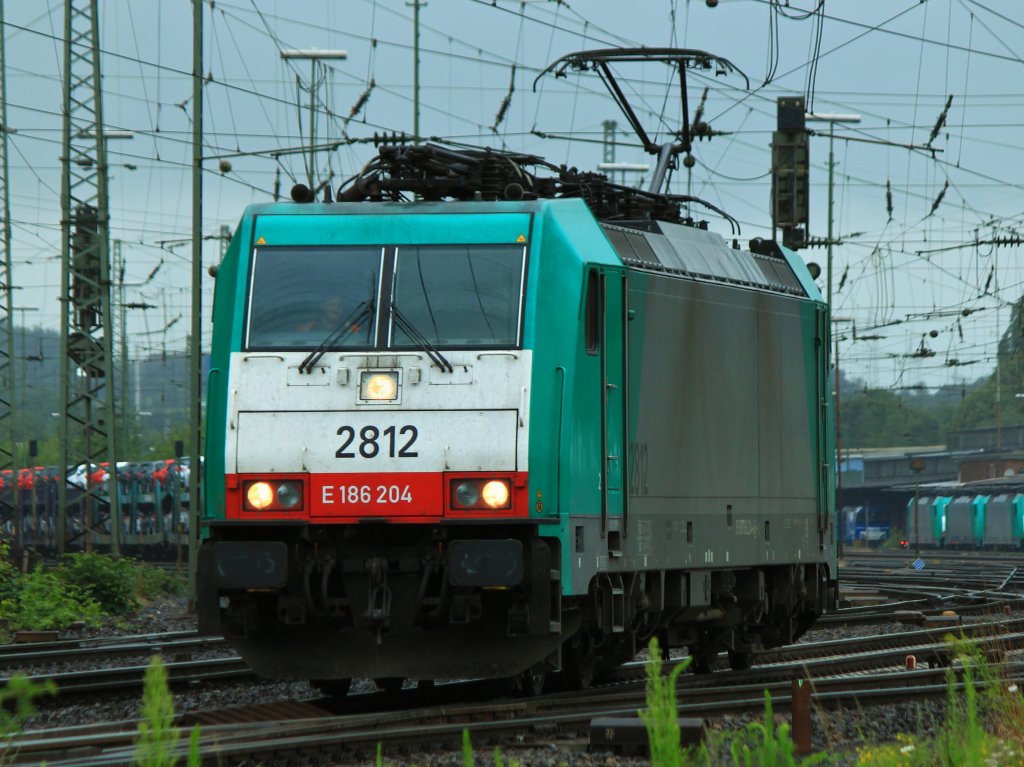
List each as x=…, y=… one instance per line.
x=300, y=298
x=459, y=295
x=592, y=318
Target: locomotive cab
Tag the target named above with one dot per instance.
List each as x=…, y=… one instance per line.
x=377, y=452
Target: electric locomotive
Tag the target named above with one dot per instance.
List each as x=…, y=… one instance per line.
x=547, y=419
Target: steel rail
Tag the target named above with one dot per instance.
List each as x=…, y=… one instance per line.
x=131, y=677
x=443, y=727
x=15, y=648
x=30, y=656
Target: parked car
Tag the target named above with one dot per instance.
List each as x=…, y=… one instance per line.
x=77, y=475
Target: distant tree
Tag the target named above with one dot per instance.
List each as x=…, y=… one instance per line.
x=982, y=406
x=882, y=418
x=38, y=399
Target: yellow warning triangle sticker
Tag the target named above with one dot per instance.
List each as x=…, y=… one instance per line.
x=261, y=241
x=521, y=238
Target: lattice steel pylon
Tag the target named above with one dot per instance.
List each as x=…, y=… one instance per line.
x=88, y=430
x=9, y=506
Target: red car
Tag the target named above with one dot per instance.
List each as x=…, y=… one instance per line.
x=27, y=478
x=160, y=470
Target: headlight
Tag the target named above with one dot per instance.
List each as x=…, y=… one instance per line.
x=289, y=494
x=378, y=385
x=495, y=494
x=481, y=493
x=467, y=495
x=284, y=495
x=259, y=495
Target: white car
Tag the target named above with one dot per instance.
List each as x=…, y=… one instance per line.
x=77, y=475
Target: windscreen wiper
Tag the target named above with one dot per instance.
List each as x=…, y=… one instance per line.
x=421, y=340
x=344, y=329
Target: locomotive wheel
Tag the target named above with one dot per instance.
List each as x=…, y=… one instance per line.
x=703, y=661
x=389, y=684
x=337, y=688
x=740, y=660
x=529, y=683
x=578, y=661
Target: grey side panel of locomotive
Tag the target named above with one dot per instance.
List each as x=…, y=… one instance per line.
x=725, y=420
x=723, y=432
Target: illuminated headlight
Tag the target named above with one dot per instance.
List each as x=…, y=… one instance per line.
x=261, y=495
x=481, y=494
x=495, y=494
x=378, y=385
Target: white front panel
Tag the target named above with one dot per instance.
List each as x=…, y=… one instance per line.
x=377, y=441
x=475, y=418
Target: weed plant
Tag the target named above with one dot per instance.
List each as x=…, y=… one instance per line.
x=765, y=744
x=660, y=718
x=16, y=706
x=157, y=744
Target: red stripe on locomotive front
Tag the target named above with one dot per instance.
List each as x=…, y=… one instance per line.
x=400, y=497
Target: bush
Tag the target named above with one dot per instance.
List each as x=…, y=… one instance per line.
x=112, y=583
x=44, y=601
x=9, y=574
x=85, y=587
x=119, y=585
x=155, y=581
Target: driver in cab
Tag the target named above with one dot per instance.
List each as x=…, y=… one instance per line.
x=327, y=319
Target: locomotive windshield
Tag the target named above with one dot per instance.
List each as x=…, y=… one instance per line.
x=300, y=296
x=459, y=295
x=443, y=296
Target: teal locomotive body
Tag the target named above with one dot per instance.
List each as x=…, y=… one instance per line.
x=527, y=441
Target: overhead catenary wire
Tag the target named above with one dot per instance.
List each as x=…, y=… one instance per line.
x=963, y=190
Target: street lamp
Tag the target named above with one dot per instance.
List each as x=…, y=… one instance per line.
x=917, y=465
x=831, y=119
x=314, y=56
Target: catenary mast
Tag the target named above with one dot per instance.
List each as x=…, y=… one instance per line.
x=87, y=415
x=7, y=448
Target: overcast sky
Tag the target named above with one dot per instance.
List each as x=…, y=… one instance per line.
x=906, y=267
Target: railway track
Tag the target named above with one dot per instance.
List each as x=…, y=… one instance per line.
x=842, y=673
x=314, y=730
x=230, y=668
x=169, y=644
